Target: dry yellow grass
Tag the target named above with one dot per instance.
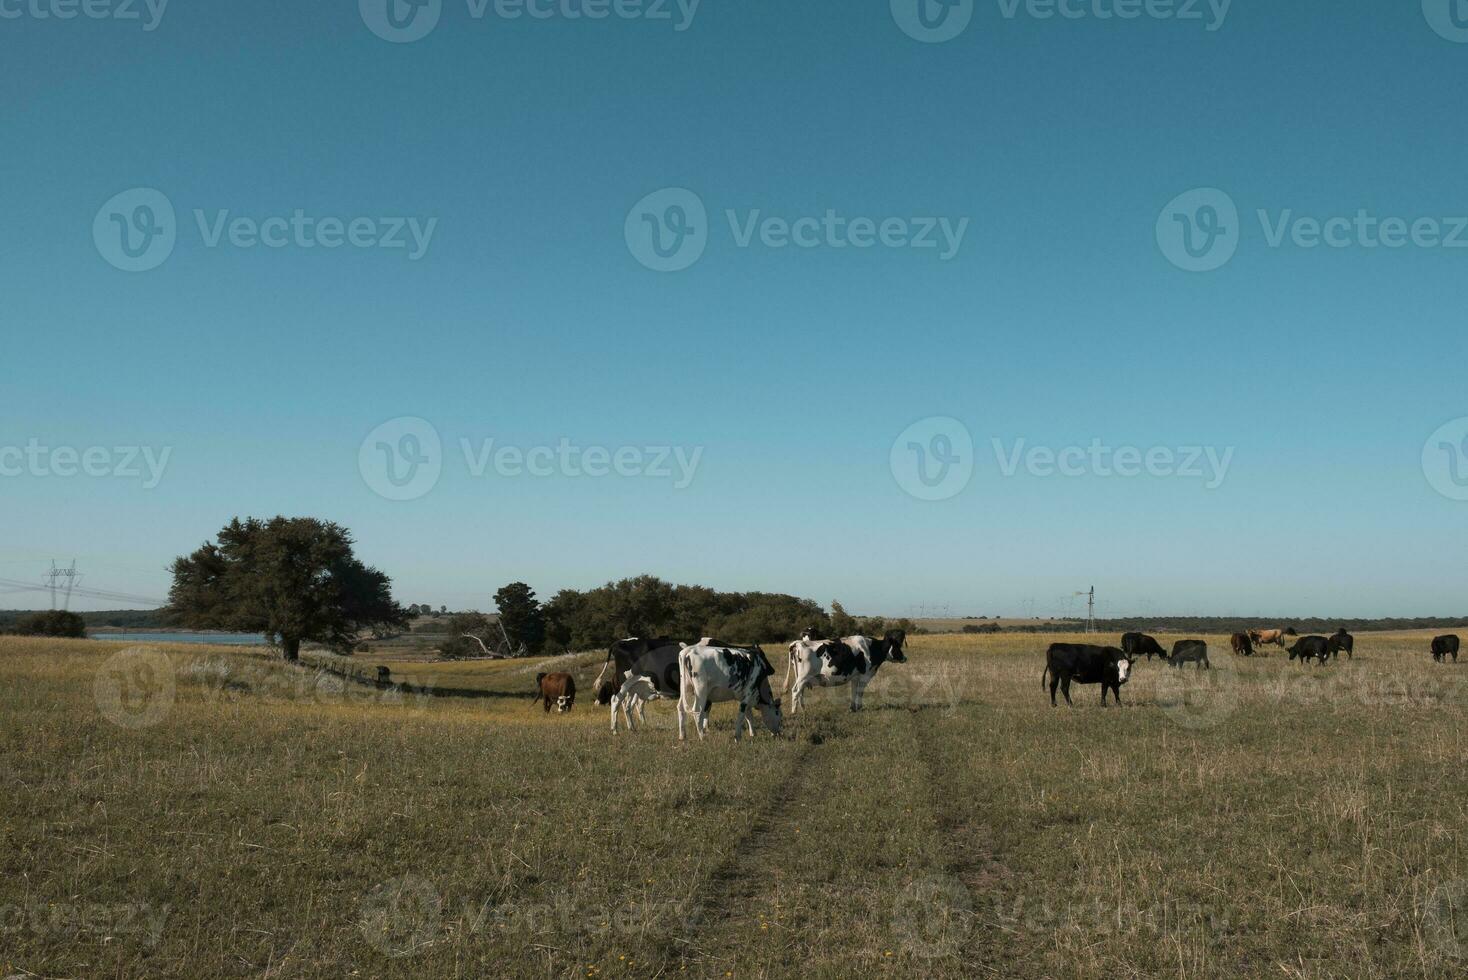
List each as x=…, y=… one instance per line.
x=205, y=811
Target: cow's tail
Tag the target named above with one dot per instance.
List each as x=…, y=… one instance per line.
x=685, y=681
x=1044, y=673
x=596, y=684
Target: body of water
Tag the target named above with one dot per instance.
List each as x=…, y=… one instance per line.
x=219, y=639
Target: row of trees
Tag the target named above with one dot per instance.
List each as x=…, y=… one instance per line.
x=297, y=579
x=645, y=606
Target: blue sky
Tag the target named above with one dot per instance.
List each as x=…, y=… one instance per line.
x=529, y=319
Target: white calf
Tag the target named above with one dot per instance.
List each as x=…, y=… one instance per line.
x=709, y=673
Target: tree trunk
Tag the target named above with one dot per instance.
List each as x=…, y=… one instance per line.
x=290, y=648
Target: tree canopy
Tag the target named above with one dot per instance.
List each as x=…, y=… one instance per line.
x=293, y=578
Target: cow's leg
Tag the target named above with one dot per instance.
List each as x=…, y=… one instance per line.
x=739, y=722
x=615, y=696
x=642, y=710
x=1054, y=683
x=858, y=691
x=1065, y=689
x=1105, y=688
x=630, y=702
x=682, y=734
x=703, y=720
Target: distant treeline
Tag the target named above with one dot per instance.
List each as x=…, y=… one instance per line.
x=125, y=618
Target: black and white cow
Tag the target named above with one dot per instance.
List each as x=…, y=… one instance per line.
x=853, y=660
x=708, y=672
x=1085, y=664
x=646, y=669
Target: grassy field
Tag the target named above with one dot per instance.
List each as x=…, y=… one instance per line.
x=188, y=811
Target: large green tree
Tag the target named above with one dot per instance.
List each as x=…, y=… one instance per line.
x=521, y=617
x=295, y=578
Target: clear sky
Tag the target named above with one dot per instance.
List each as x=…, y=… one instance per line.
x=1057, y=152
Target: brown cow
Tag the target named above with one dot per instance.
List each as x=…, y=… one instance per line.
x=1242, y=645
x=1277, y=637
x=560, y=688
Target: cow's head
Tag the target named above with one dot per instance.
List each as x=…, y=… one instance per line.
x=563, y=703
x=769, y=708
x=1123, y=667
x=895, y=640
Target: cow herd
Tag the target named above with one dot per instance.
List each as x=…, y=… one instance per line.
x=1111, y=666
x=696, y=674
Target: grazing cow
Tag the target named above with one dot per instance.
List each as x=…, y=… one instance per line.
x=560, y=688
x=1338, y=641
x=831, y=663
x=1190, y=651
x=708, y=672
x=1085, y=664
x=1277, y=637
x=1445, y=646
x=1135, y=645
x=1310, y=647
x=1242, y=645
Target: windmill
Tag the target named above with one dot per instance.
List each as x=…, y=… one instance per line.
x=1090, y=608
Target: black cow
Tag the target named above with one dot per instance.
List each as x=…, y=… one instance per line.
x=1308, y=647
x=1190, y=651
x=1135, y=645
x=1445, y=646
x=1085, y=664
x=1338, y=641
